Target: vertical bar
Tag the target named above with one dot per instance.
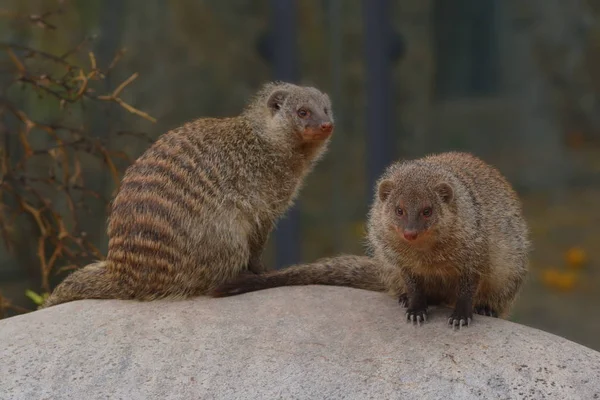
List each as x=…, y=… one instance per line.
x=334, y=11
x=484, y=47
x=103, y=119
x=379, y=125
x=285, y=68
x=108, y=45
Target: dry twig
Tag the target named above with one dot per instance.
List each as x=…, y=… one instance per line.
x=60, y=244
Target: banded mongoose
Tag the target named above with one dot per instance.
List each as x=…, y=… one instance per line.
x=445, y=228
x=196, y=209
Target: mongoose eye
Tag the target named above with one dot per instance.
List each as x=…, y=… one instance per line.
x=303, y=113
x=399, y=211
x=427, y=211
x=326, y=111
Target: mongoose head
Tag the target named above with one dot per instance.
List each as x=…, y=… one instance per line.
x=416, y=205
x=300, y=114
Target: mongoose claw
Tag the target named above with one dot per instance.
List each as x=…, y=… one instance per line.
x=403, y=300
x=416, y=316
x=460, y=318
x=455, y=323
x=486, y=310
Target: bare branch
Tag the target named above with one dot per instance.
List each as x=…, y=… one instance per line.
x=68, y=79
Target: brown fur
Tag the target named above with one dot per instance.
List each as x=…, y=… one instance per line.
x=353, y=271
x=471, y=252
x=196, y=209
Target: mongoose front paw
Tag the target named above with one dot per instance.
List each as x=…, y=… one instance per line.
x=461, y=316
x=486, y=310
x=403, y=300
x=416, y=315
x=417, y=308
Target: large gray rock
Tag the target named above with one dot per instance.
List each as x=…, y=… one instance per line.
x=289, y=343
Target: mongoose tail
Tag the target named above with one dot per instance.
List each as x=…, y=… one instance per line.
x=90, y=282
x=351, y=271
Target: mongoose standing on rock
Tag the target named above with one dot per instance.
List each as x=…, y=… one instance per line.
x=446, y=228
x=196, y=209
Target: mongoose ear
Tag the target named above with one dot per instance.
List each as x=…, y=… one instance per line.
x=276, y=100
x=384, y=189
x=445, y=192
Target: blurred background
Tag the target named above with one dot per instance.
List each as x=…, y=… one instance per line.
x=86, y=85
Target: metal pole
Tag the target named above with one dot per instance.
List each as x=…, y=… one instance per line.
x=285, y=68
x=334, y=11
x=378, y=49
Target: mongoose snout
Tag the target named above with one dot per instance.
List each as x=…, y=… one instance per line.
x=319, y=133
x=317, y=123
x=410, y=235
x=327, y=127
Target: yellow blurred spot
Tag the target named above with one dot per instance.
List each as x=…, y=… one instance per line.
x=575, y=257
x=563, y=281
x=36, y=298
x=359, y=229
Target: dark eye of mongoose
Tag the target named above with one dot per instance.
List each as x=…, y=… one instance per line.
x=427, y=211
x=303, y=113
x=326, y=111
x=399, y=211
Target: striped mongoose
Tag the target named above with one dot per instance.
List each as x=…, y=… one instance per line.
x=196, y=209
x=445, y=228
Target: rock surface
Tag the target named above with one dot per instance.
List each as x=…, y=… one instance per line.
x=312, y=342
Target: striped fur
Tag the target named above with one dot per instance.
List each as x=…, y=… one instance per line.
x=196, y=209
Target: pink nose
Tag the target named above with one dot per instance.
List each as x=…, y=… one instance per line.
x=410, y=235
x=327, y=127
